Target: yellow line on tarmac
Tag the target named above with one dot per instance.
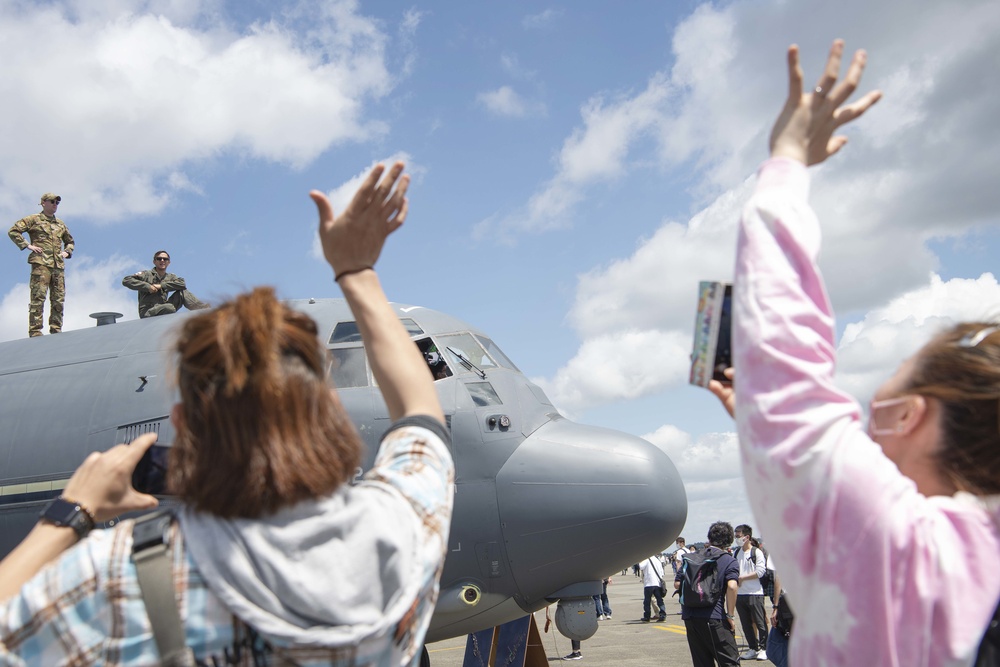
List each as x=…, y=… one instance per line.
x=676, y=629
x=451, y=648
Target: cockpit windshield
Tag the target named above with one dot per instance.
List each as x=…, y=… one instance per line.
x=496, y=353
x=462, y=351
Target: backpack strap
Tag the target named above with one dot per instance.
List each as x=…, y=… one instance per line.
x=151, y=554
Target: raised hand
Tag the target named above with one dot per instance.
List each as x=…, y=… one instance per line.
x=804, y=129
x=353, y=241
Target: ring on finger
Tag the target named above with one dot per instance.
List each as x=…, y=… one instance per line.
x=819, y=91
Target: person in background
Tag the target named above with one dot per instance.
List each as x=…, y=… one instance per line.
x=161, y=293
x=50, y=244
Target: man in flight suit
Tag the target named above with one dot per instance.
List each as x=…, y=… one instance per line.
x=51, y=243
x=154, y=285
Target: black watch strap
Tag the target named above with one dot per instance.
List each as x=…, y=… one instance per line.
x=65, y=512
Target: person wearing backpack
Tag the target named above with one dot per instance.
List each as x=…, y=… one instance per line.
x=707, y=582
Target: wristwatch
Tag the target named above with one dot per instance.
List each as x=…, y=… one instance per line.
x=65, y=512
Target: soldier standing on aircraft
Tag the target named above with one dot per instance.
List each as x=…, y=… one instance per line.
x=153, y=286
x=51, y=243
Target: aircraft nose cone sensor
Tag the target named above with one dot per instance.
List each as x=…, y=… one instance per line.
x=588, y=501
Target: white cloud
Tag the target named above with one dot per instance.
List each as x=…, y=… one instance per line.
x=919, y=168
x=140, y=94
x=870, y=350
x=505, y=101
x=541, y=20
x=713, y=478
x=91, y=286
x=620, y=365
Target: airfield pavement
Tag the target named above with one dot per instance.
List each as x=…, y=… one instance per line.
x=623, y=641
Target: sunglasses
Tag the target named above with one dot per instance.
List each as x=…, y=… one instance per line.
x=162, y=259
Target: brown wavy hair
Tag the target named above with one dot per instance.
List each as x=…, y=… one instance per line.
x=260, y=429
x=965, y=379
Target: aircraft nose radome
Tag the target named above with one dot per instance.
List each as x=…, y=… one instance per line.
x=580, y=502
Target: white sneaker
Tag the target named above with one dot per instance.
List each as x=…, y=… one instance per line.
x=748, y=654
x=600, y=617
x=762, y=654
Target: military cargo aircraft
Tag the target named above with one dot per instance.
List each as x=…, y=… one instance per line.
x=544, y=507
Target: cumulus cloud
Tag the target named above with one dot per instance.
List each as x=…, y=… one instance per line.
x=541, y=20
x=713, y=478
x=870, y=350
x=505, y=101
x=91, y=286
x=916, y=170
x=141, y=91
x=918, y=166
x=617, y=366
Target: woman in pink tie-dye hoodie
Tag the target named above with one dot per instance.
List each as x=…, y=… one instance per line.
x=887, y=532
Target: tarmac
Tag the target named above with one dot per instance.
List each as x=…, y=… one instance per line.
x=622, y=641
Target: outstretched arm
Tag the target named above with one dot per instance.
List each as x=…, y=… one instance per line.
x=103, y=485
x=352, y=243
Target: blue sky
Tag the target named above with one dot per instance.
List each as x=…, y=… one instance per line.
x=577, y=169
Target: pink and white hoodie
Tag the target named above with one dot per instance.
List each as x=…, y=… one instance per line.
x=880, y=574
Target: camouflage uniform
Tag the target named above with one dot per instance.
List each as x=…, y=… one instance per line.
x=51, y=235
x=158, y=303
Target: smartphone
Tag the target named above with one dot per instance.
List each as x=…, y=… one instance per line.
x=723, y=348
x=713, y=333
x=150, y=475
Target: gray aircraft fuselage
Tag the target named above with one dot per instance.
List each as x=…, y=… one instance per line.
x=544, y=507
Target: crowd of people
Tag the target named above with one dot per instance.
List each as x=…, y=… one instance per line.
x=915, y=488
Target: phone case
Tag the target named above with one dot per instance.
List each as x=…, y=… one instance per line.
x=707, y=322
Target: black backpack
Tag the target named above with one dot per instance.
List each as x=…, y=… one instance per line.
x=701, y=581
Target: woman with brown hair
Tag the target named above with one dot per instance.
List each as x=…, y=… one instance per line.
x=887, y=536
x=275, y=557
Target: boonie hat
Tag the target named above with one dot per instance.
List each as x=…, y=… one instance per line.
x=48, y=196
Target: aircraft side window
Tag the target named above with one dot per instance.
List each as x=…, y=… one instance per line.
x=345, y=332
x=348, y=368
x=433, y=357
x=464, y=345
x=483, y=394
x=496, y=353
x=411, y=327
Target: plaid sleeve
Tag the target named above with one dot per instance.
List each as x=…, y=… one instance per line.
x=63, y=615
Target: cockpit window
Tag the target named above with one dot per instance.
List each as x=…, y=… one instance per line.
x=496, y=353
x=483, y=394
x=411, y=327
x=461, y=350
x=345, y=332
x=348, y=367
x=435, y=361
